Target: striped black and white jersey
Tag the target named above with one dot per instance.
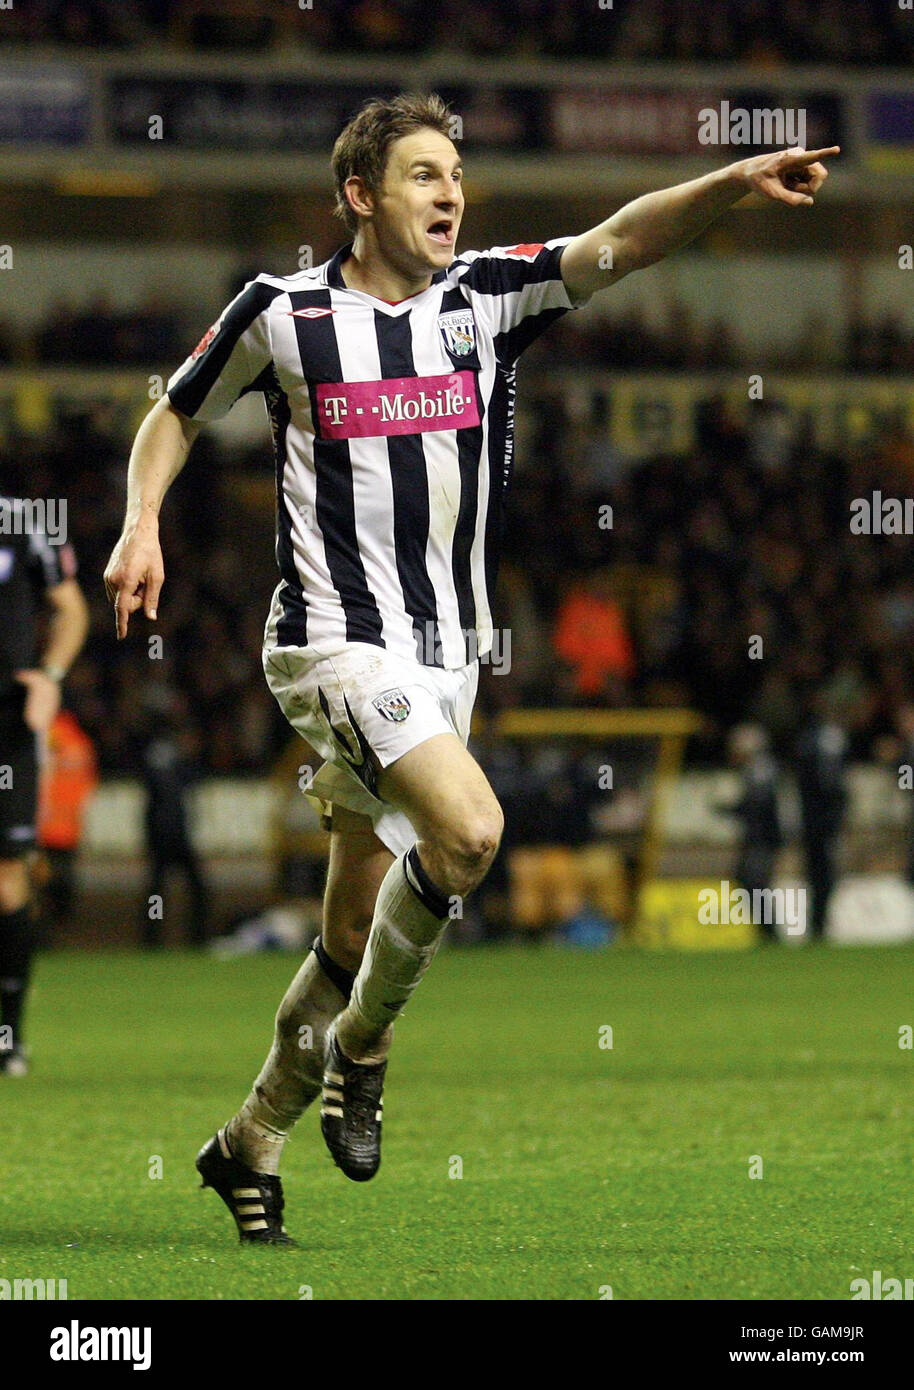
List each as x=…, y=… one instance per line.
x=29, y=565
x=392, y=431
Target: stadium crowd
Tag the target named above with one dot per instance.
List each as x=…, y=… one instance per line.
x=763, y=33
x=625, y=581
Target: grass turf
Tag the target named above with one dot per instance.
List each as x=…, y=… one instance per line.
x=582, y=1166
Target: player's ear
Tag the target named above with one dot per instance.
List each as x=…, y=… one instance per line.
x=358, y=196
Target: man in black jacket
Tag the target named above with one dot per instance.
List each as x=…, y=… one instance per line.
x=757, y=809
x=821, y=758
x=34, y=566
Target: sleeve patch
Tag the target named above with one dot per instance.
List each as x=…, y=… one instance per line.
x=204, y=342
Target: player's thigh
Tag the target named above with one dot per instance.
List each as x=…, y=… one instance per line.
x=358, y=863
x=446, y=795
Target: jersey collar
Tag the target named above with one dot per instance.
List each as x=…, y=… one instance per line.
x=336, y=282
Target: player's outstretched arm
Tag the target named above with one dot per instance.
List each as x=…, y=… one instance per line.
x=649, y=228
x=135, y=572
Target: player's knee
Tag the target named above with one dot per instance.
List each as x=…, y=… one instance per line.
x=469, y=848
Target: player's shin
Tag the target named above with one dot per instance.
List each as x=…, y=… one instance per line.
x=410, y=917
x=290, y=1078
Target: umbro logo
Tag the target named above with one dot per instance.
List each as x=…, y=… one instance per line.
x=309, y=313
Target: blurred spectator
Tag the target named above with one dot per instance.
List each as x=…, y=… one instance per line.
x=169, y=767
x=68, y=778
x=601, y=465
x=591, y=636
x=901, y=752
x=522, y=645
x=757, y=809
x=820, y=763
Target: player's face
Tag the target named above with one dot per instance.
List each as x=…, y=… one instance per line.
x=418, y=209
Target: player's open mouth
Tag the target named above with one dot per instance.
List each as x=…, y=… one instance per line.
x=442, y=232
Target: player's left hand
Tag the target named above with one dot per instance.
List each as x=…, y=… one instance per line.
x=791, y=176
x=42, y=700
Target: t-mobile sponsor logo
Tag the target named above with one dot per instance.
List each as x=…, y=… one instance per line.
x=396, y=405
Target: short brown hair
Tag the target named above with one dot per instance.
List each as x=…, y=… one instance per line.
x=361, y=147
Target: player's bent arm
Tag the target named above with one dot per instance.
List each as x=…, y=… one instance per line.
x=650, y=227
x=66, y=634
x=135, y=573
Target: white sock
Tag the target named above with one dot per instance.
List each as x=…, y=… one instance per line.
x=290, y=1078
x=409, y=920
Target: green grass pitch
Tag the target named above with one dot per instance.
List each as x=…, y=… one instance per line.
x=582, y=1166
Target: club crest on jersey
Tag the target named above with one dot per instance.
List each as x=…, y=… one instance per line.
x=393, y=704
x=458, y=329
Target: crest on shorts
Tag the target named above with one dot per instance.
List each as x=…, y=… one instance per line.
x=393, y=704
x=458, y=329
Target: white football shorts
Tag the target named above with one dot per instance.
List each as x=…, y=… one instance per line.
x=361, y=700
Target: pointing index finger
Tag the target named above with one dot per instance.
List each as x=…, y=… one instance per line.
x=123, y=608
x=810, y=156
